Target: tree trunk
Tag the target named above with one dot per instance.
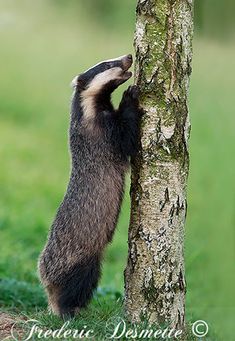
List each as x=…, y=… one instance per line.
x=155, y=275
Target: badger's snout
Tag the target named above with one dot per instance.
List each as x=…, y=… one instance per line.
x=127, y=62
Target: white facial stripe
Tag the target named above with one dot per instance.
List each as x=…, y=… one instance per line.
x=101, y=79
x=106, y=61
x=113, y=60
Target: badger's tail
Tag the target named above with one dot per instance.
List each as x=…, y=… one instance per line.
x=77, y=287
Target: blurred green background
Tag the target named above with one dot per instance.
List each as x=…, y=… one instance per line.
x=44, y=44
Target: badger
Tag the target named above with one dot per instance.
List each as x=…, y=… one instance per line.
x=102, y=141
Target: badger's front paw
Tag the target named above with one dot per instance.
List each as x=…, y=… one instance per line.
x=130, y=100
x=133, y=92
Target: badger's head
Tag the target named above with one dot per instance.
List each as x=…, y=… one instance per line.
x=104, y=77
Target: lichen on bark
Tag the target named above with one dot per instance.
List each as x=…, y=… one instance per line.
x=154, y=276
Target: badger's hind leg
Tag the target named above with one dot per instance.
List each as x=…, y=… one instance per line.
x=53, y=294
x=75, y=289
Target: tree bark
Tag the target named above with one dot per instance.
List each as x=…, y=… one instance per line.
x=155, y=276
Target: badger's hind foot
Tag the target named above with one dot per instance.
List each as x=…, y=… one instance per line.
x=76, y=289
x=54, y=294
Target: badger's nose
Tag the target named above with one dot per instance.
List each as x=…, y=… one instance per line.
x=127, y=62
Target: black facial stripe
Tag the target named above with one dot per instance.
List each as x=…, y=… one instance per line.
x=103, y=66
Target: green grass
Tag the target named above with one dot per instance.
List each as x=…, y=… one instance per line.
x=42, y=47
x=102, y=316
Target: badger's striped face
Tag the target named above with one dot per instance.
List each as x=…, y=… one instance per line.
x=106, y=75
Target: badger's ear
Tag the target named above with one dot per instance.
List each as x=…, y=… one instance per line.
x=77, y=82
x=74, y=82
